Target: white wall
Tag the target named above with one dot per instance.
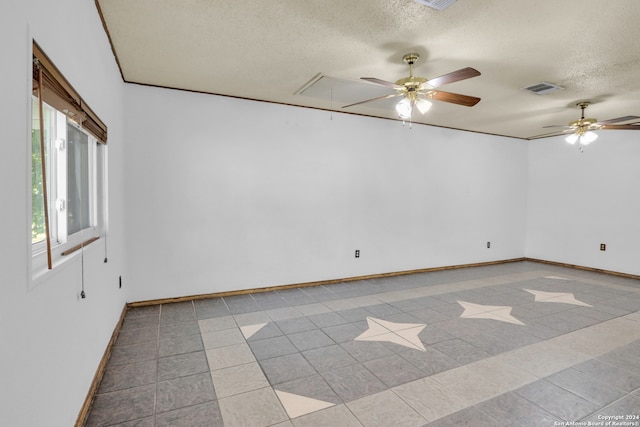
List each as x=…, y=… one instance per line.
x=579, y=200
x=227, y=194
x=52, y=341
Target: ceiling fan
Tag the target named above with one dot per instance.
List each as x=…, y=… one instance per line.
x=582, y=129
x=417, y=91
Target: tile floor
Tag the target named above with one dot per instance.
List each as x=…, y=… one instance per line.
x=519, y=344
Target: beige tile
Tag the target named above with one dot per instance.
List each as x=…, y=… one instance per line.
x=430, y=398
x=385, y=409
x=251, y=318
x=297, y=405
x=238, y=379
x=255, y=408
x=283, y=313
x=542, y=359
x=633, y=316
x=217, y=324
x=339, y=304
x=232, y=355
x=222, y=338
x=365, y=301
x=336, y=416
x=467, y=385
x=283, y=424
x=310, y=309
x=501, y=373
x=393, y=296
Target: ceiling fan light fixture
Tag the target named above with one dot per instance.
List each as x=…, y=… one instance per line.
x=423, y=105
x=571, y=139
x=588, y=138
x=404, y=108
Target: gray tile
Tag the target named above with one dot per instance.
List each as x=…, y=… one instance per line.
x=121, y=406
x=428, y=315
x=517, y=410
x=327, y=319
x=269, y=300
x=270, y=330
x=430, y=361
x=469, y=417
x=173, y=330
x=286, y=368
x=382, y=310
x=120, y=377
x=180, y=345
x=310, y=339
x=556, y=400
x=239, y=304
x=406, y=305
x=461, y=351
x=366, y=350
x=137, y=335
x=314, y=387
x=458, y=327
x=298, y=324
x=140, y=422
x=177, y=312
x=139, y=322
x=326, y=358
x=182, y=365
x=353, y=314
x=585, y=386
x=201, y=415
x=429, y=302
x=272, y=347
x=184, y=391
x=296, y=297
x=210, y=308
x=623, y=359
x=385, y=409
x=343, y=333
x=515, y=334
x=353, y=382
x=143, y=311
x=489, y=343
x=432, y=334
x=394, y=370
x=255, y=408
x=629, y=405
x=123, y=355
x=609, y=374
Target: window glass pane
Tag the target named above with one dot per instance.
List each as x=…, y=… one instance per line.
x=77, y=180
x=37, y=194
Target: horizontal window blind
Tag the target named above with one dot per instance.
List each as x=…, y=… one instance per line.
x=57, y=92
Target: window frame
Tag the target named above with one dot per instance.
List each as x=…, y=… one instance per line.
x=66, y=109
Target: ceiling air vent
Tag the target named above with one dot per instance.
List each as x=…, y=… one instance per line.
x=437, y=4
x=543, y=88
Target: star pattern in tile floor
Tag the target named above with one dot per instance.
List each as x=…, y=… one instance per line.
x=460, y=347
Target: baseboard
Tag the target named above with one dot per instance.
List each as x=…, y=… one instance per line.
x=317, y=283
x=97, y=378
x=582, y=267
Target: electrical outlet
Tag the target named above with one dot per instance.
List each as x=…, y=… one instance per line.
x=603, y=246
x=488, y=245
x=357, y=253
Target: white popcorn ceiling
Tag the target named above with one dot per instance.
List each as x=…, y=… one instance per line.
x=268, y=50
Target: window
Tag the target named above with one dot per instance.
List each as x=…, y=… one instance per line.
x=68, y=174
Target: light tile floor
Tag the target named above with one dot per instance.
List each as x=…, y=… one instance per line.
x=521, y=344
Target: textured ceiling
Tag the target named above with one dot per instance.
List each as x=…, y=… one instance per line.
x=269, y=51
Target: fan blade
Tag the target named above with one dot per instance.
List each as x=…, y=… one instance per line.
x=454, y=76
x=454, y=98
x=619, y=119
x=374, y=99
x=382, y=82
x=621, y=127
x=558, y=126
